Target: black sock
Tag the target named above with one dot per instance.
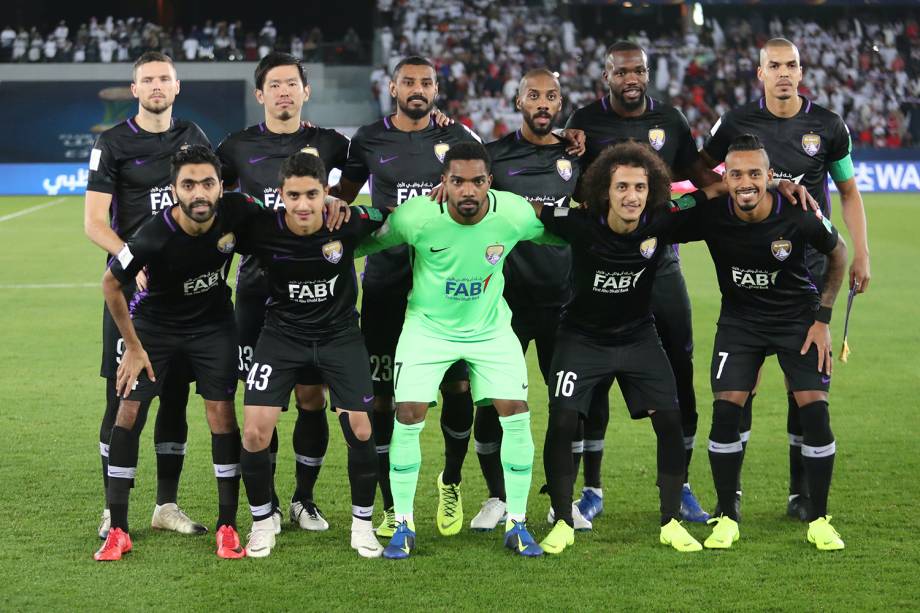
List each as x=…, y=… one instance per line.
x=487, y=431
x=798, y=485
x=747, y=419
x=311, y=439
x=225, y=453
x=383, y=432
x=123, y=451
x=670, y=459
x=681, y=360
x=688, y=440
x=818, y=451
x=170, y=435
x=557, y=462
x=105, y=429
x=362, y=471
x=595, y=431
x=725, y=453
x=578, y=445
x=456, y=426
x=273, y=460
x=257, y=475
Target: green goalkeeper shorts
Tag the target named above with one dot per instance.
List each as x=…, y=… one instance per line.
x=497, y=367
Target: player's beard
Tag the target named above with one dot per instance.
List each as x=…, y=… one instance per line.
x=198, y=216
x=630, y=105
x=158, y=107
x=415, y=113
x=470, y=212
x=538, y=130
x=748, y=206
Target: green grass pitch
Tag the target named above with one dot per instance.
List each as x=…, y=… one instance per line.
x=51, y=400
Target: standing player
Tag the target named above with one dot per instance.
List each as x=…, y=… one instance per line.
x=806, y=143
x=769, y=305
x=456, y=312
x=532, y=162
x=402, y=155
x=607, y=329
x=185, y=311
x=251, y=160
x=627, y=112
x=310, y=322
x=128, y=183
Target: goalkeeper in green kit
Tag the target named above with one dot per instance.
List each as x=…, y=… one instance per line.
x=456, y=312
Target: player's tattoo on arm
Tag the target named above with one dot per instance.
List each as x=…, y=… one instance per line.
x=833, y=276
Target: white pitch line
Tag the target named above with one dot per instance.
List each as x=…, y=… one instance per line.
x=48, y=285
x=31, y=209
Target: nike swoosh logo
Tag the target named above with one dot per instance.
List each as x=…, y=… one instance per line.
x=224, y=471
x=406, y=548
x=523, y=386
x=398, y=469
x=521, y=546
x=516, y=171
x=139, y=162
x=518, y=470
x=384, y=160
x=258, y=159
x=367, y=399
x=279, y=258
x=448, y=524
x=433, y=250
x=825, y=380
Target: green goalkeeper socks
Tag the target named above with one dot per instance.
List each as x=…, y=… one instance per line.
x=405, y=462
x=517, y=461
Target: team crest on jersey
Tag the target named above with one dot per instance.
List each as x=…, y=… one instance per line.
x=332, y=251
x=656, y=138
x=811, y=143
x=226, y=243
x=440, y=150
x=494, y=253
x=564, y=168
x=781, y=249
x=310, y=151
x=647, y=247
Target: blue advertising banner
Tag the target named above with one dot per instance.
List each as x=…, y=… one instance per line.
x=57, y=122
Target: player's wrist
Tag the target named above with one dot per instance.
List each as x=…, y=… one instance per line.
x=823, y=314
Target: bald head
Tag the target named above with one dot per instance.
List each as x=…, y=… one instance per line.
x=778, y=44
x=540, y=102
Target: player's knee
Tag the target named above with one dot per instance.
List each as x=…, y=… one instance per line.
x=310, y=397
x=256, y=436
x=816, y=423
x=409, y=413
x=506, y=408
x=356, y=428
x=667, y=423
x=563, y=424
x=127, y=414
x=726, y=421
x=221, y=416
x=734, y=397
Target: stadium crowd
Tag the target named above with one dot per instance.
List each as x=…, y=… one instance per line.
x=867, y=72
x=124, y=40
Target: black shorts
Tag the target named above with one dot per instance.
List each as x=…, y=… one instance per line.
x=279, y=359
x=739, y=351
x=113, y=346
x=383, y=313
x=638, y=363
x=249, y=313
x=208, y=353
x=538, y=325
x=671, y=308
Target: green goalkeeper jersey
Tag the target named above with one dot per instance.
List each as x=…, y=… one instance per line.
x=457, y=279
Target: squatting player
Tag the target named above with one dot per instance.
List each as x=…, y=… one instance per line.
x=402, y=155
x=532, y=162
x=310, y=322
x=806, y=143
x=759, y=245
x=251, y=160
x=627, y=112
x=456, y=312
x=129, y=181
x=185, y=311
